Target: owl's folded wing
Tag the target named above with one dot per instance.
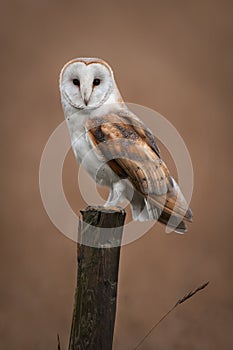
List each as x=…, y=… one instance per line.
x=131, y=151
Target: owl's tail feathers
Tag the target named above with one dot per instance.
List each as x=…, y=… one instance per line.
x=173, y=222
x=143, y=210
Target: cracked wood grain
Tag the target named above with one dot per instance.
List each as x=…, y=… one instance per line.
x=100, y=234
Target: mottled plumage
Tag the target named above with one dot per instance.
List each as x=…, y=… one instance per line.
x=116, y=148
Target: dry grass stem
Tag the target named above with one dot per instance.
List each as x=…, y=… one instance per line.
x=180, y=301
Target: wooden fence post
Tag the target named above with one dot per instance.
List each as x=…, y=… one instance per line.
x=100, y=234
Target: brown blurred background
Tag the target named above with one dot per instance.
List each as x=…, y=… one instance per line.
x=172, y=56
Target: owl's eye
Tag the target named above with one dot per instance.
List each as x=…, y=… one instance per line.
x=96, y=82
x=76, y=82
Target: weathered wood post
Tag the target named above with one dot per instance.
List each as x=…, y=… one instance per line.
x=100, y=234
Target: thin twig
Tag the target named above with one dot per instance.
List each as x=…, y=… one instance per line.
x=180, y=301
x=190, y=294
x=58, y=342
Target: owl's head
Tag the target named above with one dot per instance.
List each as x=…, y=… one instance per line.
x=86, y=83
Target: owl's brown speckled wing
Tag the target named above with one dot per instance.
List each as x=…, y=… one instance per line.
x=131, y=151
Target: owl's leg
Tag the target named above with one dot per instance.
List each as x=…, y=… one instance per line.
x=111, y=199
x=137, y=204
x=142, y=209
x=116, y=195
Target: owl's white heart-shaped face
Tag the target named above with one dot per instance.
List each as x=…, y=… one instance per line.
x=86, y=84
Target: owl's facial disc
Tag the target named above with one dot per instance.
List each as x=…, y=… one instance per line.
x=86, y=86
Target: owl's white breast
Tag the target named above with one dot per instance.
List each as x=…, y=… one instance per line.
x=86, y=153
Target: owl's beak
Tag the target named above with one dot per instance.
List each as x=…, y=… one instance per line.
x=86, y=94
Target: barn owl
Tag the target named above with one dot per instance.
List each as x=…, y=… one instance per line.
x=116, y=148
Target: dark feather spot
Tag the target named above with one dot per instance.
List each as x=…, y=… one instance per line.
x=127, y=132
x=99, y=135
